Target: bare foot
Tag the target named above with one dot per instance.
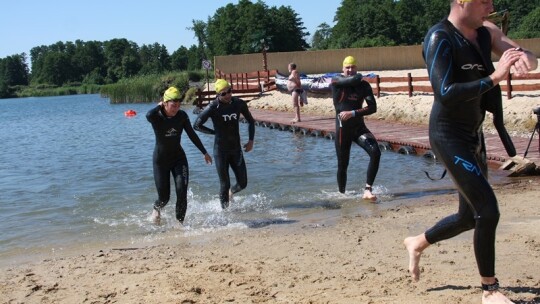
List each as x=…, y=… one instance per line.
x=369, y=196
x=156, y=216
x=179, y=225
x=411, y=244
x=495, y=297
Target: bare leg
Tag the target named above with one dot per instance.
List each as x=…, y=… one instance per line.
x=296, y=101
x=415, y=245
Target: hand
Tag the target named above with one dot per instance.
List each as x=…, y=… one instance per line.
x=507, y=60
x=208, y=159
x=249, y=146
x=345, y=115
x=524, y=64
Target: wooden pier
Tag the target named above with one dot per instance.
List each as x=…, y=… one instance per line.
x=399, y=137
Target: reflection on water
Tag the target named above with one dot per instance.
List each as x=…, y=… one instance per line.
x=76, y=172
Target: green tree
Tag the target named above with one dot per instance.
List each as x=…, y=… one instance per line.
x=415, y=17
x=56, y=68
x=194, y=61
x=321, y=38
x=360, y=21
x=87, y=59
x=154, y=59
x=240, y=28
x=286, y=32
x=517, y=10
x=530, y=25
x=199, y=28
x=121, y=58
x=179, y=59
x=13, y=71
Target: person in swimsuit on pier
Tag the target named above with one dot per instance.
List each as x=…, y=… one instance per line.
x=168, y=122
x=457, y=52
x=294, y=86
x=225, y=113
x=348, y=93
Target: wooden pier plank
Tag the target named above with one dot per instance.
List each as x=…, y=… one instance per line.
x=398, y=134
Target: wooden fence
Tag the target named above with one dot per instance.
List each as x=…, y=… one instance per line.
x=410, y=87
x=244, y=85
x=253, y=85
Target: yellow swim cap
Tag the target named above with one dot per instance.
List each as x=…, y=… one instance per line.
x=172, y=93
x=221, y=84
x=349, y=60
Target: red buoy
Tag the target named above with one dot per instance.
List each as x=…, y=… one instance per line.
x=130, y=113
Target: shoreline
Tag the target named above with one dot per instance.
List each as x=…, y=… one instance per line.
x=358, y=259
x=346, y=257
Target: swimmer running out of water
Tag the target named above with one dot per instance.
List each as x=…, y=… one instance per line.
x=168, y=122
x=457, y=54
x=348, y=93
x=225, y=113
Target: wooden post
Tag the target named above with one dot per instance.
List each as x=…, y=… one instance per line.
x=409, y=80
x=199, y=98
x=378, y=82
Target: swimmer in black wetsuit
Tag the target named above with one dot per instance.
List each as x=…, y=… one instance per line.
x=460, y=78
x=168, y=122
x=225, y=113
x=349, y=92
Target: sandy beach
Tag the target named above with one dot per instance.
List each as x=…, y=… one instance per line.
x=354, y=258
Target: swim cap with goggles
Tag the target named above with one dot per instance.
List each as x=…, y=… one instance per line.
x=349, y=60
x=172, y=93
x=221, y=84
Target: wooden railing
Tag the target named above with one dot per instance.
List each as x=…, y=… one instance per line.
x=253, y=85
x=244, y=85
x=410, y=87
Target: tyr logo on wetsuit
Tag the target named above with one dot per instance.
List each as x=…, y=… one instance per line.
x=467, y=165
x=228, y=117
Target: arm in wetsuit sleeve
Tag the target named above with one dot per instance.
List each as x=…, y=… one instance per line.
x=201, y=119
x=492, y=102
x=153, y=115
x=370, y=100
x=251, y=121
x=438, y=56
x=347, y=81
x=193, y=136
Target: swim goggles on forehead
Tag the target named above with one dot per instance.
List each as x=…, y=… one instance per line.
x=225, y=92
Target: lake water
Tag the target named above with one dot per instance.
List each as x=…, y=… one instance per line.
x=76, y=173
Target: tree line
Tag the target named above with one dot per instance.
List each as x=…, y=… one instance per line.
x=245, y=27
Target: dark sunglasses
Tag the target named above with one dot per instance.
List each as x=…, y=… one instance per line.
x=226, y=92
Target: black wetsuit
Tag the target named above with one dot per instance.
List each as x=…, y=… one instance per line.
x=227, y=146
x=459, y=74
x=169, y=157
x=348, y=94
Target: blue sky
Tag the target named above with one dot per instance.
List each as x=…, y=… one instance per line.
x=28, y=23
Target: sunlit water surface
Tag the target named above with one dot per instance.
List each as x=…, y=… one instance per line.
x=75, y=173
